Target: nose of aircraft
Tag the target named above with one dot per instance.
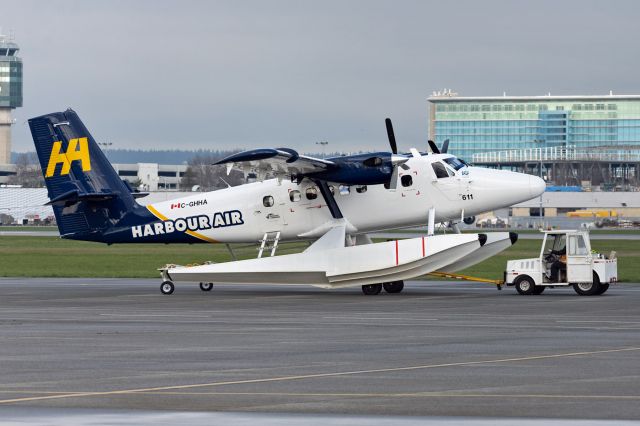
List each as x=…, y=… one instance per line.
x=502, y=188
x=536, y=186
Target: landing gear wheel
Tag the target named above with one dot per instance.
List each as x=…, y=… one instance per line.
x=539, y=289
x=525, y=285
x=372, y=289
x=393, y=286
x=589, y=289
x=603, y=289
x=167, y=287
x=206, y=286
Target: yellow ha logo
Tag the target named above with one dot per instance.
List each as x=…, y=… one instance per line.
x=78, y=150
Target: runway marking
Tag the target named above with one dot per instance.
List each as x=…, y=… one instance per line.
x=401, y=395
x=315, y=376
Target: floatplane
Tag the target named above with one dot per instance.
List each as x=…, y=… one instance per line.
x=334, y=203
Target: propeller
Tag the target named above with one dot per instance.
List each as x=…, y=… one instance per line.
x=434, y=147
x=396, y=160
x=445, y=146
x=391, y=135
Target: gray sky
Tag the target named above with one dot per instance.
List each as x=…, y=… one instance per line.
x=222, y=74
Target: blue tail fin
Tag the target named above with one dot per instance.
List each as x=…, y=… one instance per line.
x=87, y=195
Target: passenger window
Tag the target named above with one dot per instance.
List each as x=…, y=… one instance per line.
x=406, y=180
x=295, y=195
x=440, y=170
x=361, y=189
x=312, y=193
x=267, y=201
x=344, y=190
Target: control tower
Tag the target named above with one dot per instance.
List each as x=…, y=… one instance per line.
x=10, y=92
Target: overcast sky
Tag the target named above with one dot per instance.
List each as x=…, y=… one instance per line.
x=222, y=74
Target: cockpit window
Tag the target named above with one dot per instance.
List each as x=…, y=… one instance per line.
x=454, y=162
x=440, y=170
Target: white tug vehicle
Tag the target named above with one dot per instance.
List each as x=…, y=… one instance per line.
x=565, y=259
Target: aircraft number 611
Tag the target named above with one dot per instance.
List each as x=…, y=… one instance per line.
x=466, y=197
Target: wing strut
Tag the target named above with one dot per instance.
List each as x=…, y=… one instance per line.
x=329, y=199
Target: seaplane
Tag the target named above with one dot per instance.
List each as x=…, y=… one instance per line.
x=333, y=203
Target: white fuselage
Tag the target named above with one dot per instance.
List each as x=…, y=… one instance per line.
x=245, y=213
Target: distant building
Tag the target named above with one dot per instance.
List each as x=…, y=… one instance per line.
x=496, y=123
x=569, y=140
x=153, y=176
x=10, y=92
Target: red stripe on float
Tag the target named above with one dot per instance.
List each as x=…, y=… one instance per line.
x=423, y=251
x=396, y=252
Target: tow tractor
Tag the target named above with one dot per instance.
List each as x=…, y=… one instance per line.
x=565, y=259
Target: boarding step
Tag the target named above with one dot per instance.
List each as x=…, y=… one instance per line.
x=269, y=241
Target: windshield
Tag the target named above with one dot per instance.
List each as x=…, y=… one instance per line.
x=454, y=162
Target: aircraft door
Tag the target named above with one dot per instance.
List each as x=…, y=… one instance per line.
x=269, y=213
x=579, y=260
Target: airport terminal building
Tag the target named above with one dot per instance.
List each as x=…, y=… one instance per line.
x=536, y=133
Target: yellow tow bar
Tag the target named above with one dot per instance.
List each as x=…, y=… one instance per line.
x=497, y=283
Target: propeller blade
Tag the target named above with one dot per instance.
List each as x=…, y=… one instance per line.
x=393, y=182
x=391, y=136
x=434, y=147
x=445, y=146
x=396, y=161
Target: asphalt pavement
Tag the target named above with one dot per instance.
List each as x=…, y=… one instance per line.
x=438, y=349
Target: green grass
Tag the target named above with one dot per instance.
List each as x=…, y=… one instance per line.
x=55, y=257
x=29, y=228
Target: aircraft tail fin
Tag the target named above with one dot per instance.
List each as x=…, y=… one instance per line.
x=86, y=193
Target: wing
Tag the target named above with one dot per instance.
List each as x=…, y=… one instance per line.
x=280, y=162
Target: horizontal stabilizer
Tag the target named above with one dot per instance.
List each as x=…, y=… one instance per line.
x=75, y=196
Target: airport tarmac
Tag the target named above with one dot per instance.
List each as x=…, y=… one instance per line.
x=437, y=349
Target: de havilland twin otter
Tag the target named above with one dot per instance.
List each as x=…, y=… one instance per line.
x=333, y=203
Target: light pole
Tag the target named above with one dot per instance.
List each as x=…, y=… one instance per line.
x=540, y=141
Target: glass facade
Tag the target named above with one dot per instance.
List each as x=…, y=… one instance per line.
x=10, y=76
x=476, y=125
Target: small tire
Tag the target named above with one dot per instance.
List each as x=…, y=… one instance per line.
x=525, y=285
x=393, y=286
x=603, y=289
x=539, y=289
x=167, y=287
x=588, y=289
x=206, y=286
x=372, y=289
